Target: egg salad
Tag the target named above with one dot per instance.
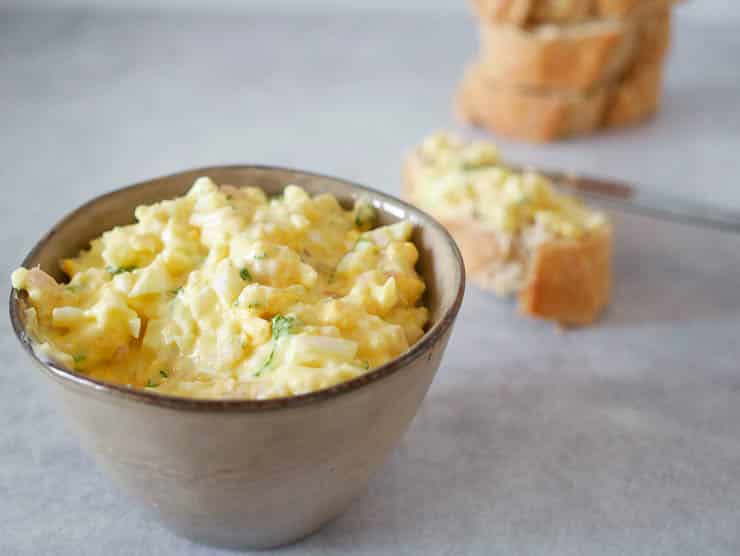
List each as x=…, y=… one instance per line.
x=227, y=293
x=468, y=180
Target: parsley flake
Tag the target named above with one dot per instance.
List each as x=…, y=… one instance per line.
x=121, y=269
x=361, y=239
x=365, y=216
x=164, y=374
x=244, y=273
x=281, y=326
x=151, y=384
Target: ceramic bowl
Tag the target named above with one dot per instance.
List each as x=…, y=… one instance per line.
x=249, y=473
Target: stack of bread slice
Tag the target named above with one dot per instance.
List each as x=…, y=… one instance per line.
x=551, y=69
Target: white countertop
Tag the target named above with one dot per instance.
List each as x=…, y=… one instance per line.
x=617, y=439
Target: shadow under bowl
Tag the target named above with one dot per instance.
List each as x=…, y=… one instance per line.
x=249, y=473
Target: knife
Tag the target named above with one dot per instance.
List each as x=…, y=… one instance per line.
x=624, y=196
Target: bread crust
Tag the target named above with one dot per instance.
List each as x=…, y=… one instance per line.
x=636, y=98
x=546, y=115
x=569, y=280
x=653, y=39
x=565, y=280
x=577, y=56
x=537, y=12
x=528, y=114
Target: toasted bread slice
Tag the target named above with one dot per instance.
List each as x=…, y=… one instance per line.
x=559, y=276
x=575, y=56
x=561, y=12
x=528, y=114
x=542, y=115
x=653, y=38
x=636, y=98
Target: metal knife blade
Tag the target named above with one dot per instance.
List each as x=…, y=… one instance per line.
x=630, y=198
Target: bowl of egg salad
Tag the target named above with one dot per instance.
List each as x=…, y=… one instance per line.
x=240, y=347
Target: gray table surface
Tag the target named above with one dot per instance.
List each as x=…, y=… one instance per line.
x=618, y=439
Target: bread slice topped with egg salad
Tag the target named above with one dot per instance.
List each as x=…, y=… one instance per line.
x=517, y=233
x=226, y=292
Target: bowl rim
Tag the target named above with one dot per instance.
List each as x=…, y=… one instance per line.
x=417, y=350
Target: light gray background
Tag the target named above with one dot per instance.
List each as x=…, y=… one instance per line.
x=700, y=10
x=617, y=439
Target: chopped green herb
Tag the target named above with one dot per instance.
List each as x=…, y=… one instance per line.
x=164, y=374
x=260, y=256
x=281, y=326
x=267, y=362
x=254, y=305
x=244, y=273
x=175, y=292
x=72, y=289
x=366, y=365
x=361, y=239
x=79, y=358
x=121, y=269
x=229, y=197
x=151, y=384
x=364, y=215
x=472, y=165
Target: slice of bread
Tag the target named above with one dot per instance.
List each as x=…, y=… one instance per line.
x=528, y=114
x=636, y=98
x=561, y=277
x=653, y=39
x=562, y=12
x=542, y=115
x=575, y=56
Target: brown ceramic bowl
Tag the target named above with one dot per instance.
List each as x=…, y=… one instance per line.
x=249, y=473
